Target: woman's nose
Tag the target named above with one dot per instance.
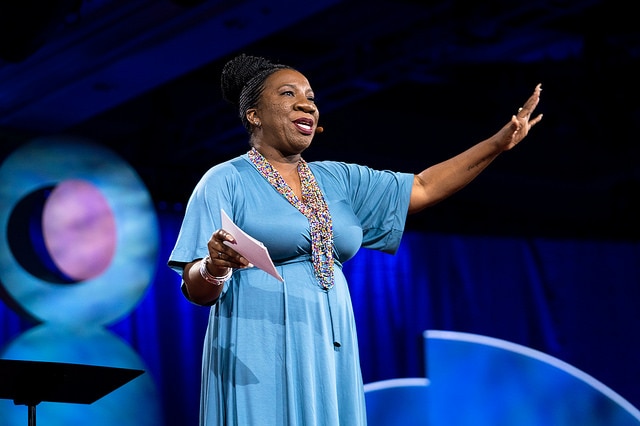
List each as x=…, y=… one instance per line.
x=306, y=105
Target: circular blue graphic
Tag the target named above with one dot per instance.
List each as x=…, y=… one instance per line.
x=46, y=166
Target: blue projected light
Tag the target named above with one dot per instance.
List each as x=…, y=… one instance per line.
x=78, y=250
x=126, y=214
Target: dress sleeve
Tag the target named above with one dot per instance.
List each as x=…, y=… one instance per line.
x=379, y=199
x=202, y=214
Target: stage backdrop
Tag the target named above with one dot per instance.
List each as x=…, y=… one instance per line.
x=576, y=300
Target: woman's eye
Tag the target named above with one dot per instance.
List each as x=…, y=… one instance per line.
x=288, y=93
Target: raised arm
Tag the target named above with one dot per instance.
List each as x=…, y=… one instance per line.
x=441, y=180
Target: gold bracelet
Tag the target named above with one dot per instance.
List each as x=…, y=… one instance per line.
x=204, y=272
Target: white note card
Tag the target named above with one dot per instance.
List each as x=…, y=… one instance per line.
x=252, y=250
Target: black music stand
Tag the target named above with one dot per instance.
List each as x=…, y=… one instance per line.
x=32, y=382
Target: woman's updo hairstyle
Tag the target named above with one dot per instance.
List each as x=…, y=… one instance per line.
x=242, y=82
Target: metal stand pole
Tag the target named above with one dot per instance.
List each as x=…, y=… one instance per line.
x=32, y=415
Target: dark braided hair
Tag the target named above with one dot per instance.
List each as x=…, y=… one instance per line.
x=242, y=82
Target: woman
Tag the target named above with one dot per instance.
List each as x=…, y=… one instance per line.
x=286, y=353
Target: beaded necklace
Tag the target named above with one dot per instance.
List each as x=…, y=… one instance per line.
x=313, y=206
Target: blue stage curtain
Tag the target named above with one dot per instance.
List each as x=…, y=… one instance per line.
x=573, y=299
x=576, y=300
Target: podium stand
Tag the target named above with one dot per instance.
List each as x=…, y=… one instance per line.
x=32, y=382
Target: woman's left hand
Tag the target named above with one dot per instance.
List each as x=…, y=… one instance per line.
x=516, y=130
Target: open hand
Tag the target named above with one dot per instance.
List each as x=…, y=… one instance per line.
x=518, y=128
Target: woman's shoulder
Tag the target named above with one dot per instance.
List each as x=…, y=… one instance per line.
x=358, y=176
x=227, y=168
x=334, y=166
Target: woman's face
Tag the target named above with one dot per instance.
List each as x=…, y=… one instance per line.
x=286, y=111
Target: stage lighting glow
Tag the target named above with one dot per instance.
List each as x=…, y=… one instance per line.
x=98, y=223
x=79, y=229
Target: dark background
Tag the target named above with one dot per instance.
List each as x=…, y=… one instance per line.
x=400, y=85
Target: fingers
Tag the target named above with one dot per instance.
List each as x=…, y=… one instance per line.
x=222, y=254
x=520, y=123
x=217, y=248
x=529, y=106
x=223, y=235
x=535, y=120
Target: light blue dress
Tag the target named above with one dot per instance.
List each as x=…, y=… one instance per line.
x=287, y=353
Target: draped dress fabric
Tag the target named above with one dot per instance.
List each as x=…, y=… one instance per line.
x=286, y=353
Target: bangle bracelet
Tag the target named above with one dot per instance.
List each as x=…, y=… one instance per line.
x=204, y=272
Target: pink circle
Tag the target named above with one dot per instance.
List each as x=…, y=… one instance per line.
x=79, y=229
